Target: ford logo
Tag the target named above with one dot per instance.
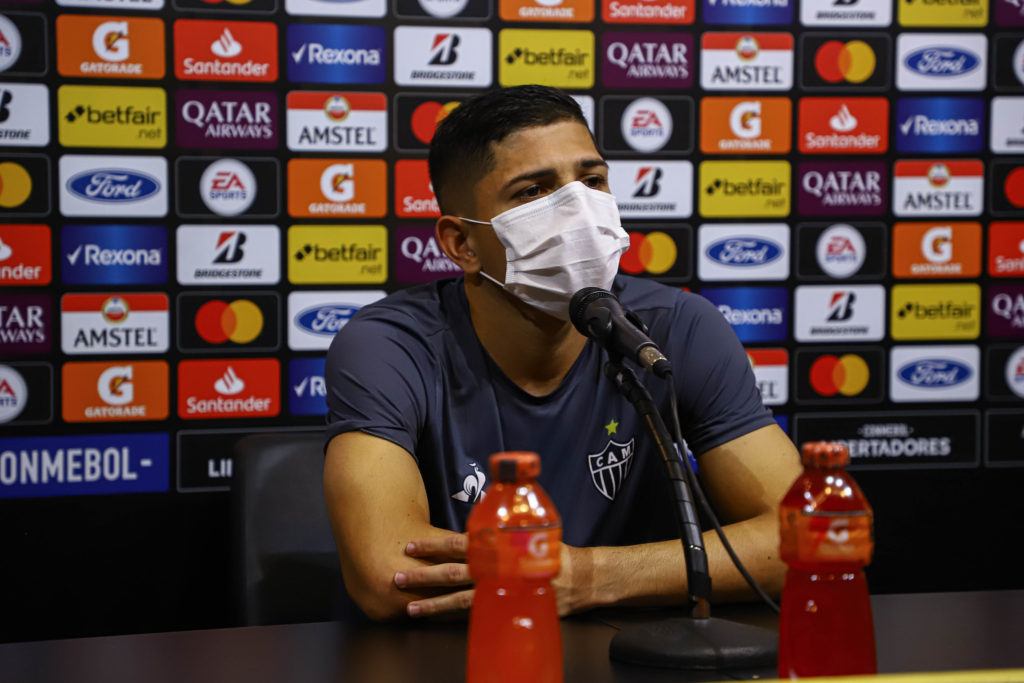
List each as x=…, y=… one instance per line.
x=942, y=61
x=744, y=251
x=113, y=185
x=934, y=372
x=326, y=319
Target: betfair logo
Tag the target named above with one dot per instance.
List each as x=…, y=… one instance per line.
x=112, y=117
x=335, y=254
x=529, y=57
x=922, y=312
x=954, y=13
x=744, y=189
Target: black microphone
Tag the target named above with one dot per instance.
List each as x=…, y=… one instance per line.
x=597, y=314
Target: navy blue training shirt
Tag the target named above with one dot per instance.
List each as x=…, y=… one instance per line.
x=411, y=370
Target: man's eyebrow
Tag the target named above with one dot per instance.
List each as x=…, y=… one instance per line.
x=540, y=173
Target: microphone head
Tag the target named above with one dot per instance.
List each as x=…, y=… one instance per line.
x=579, y=303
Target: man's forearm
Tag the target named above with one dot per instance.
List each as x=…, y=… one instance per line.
x=655, y=573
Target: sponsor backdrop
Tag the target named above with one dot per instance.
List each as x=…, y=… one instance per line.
x=196, y=195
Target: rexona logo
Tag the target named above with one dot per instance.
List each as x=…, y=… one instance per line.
x=114, y=323
x=104, y=186
x=226, y=120
x=546, y=10
x=228, y=254
x=215, y=50
x=748, y=12
x=934, y=373
x=739, y=251
x=746, y=61
x=20, y=123
x=652, y=190
x=757, y=314
x=771, y=372
x=845, y=13
x=104, y=391
x=842, y=188
x=848, y=313
x=418, y=257
x=1006, y=249
x=99, y=464
x=936, y=250
x=337, y=121
x=924, y=312
x=842, y=61
x=940, y=125
x=844, y=125
x=1006, y=311
x=307, y=390
x=110, y=47
x=442, y=55
x=951, y=13
x=113, y=254
x=24, y=255
x=937, y=188
x=941, y=61
x=26, y=324
x=337, y=254
x=647, y=11
x=414, y=193
x=239, y=387
x=662, y=253
x=320, y=188
x=94, y=116
x=744, y=188
x=650, y=125
x=314, y=317
x=745, y=125
x=332, y=53
x=563, y=59
x=1007, y=135
x=641, y=60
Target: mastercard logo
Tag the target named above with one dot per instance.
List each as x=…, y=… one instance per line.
x=846, y=375
x=15, y=185
x=240, y=321
x=654, y=253
x=853, y=61
x=427, y=116
x=1013, y=186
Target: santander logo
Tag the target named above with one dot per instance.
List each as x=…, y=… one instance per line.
x=226, y=46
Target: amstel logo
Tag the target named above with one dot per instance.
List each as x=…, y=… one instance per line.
x=337, y=254
x=563, y=59
x=744, y=188
x=91, y=116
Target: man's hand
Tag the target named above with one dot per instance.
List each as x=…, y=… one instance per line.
x=451, y=573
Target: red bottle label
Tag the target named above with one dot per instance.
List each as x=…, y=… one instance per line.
x=830, y=537
x=531, y=553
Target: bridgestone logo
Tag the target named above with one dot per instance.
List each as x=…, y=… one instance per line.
x=225, y=273
x=445, y=75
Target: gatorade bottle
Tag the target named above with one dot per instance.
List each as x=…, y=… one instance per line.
x=825, y=628
x=514, y=536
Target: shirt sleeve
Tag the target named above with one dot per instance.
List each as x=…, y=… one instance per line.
x=375, y=382
x=717, y=392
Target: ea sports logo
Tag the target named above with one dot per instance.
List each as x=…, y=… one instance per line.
x=228, y=187
x=10, y=43
x=337, y=182
x=646, y=124
x=654, y=253
x=337, y=108
x=747, y=48
x=240, y=321
x=846, y=375
x=853, y=61
x=443, y=9
x=110, y=41
x=840, y=251
x=13, y=393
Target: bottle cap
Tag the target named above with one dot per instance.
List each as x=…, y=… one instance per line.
x=825, y=454
x=511, y=466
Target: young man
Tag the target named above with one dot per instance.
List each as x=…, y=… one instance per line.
x=426, y=384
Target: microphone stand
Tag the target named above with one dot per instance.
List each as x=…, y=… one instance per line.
x=700, y=641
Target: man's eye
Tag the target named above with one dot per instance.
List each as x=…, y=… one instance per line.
x=595, y=181
x=530, y=192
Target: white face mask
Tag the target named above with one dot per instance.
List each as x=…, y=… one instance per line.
x=559, y=244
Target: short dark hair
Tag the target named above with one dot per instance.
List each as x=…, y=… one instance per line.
x=461, y=147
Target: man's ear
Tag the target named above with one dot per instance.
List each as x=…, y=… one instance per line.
x=452, y=237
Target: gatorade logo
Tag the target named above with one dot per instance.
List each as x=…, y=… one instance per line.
x=101, y=391
x=546, y=10
x=337, y=187
x=745, y=125
x=652, y=253
x=936, y=250
x=110, y=47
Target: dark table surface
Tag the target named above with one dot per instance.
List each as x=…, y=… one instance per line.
x=914, y=632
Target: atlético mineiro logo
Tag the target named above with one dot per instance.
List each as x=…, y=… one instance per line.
x=610, y=467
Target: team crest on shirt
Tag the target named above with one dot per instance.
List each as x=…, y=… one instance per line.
x=472, y=486
x=610, y=467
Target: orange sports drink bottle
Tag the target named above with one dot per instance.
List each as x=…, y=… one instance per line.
x=515, y=535
x=825, y=627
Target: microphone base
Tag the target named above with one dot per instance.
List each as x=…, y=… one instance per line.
x=696, y=644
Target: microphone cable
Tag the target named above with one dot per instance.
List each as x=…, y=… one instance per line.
x=691, y=477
